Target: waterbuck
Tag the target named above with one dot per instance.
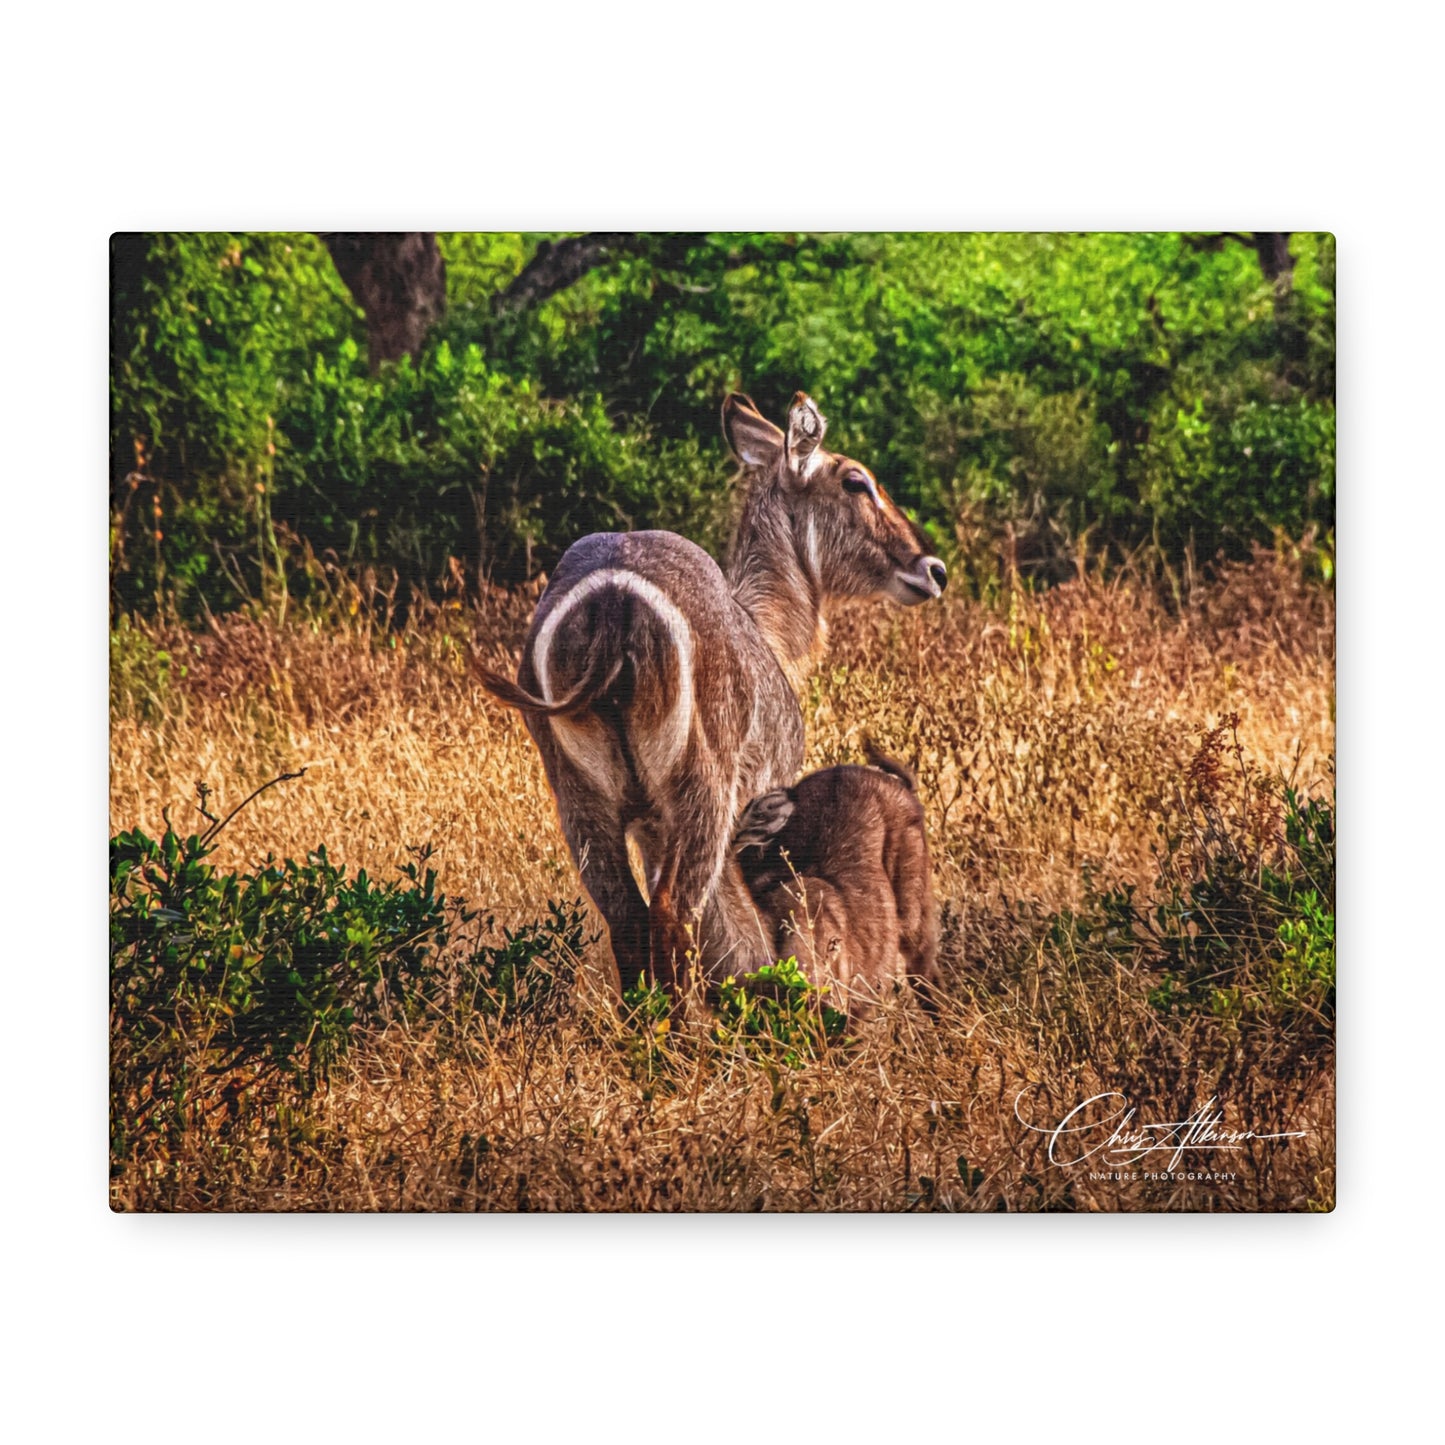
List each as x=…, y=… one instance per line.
x=659, y=690
x=838, y=869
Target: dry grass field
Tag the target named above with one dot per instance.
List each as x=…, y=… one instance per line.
x=1068, y=745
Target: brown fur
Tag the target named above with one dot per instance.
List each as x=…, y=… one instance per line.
x=839, y=871
x=659, y=691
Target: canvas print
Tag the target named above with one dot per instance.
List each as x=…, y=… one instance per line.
x=625, y=721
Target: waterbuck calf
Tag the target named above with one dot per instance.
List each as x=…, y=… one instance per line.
x=658, y=690
x=838, y=869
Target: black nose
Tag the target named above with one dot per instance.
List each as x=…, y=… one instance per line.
x=939, y=573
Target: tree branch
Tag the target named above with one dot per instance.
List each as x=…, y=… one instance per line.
x=1213, y=240
x=1272, y=247
x=558, y=264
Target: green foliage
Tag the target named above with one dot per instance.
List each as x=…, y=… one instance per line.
x=1065, y=391
x=647, y=1015
x=971, y=1175
x=453, y=458
x=262, y=979
x=1225, y=470
x=1254, y=933
x=774, y=1016
x=266, y=973
x=1306, y=975
x=212, y=334
x=1239, y=923
x=140, y=672
x=531, y=973
x=776, y=1013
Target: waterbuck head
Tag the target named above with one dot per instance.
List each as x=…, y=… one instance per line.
x=848, y=537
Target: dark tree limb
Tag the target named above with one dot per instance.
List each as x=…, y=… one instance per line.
x=399, y=280
x=1214, y=240
x=1272, y=248
x=558, y=264
x=1275, y=261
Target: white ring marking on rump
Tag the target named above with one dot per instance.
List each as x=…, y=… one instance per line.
x=657, y=752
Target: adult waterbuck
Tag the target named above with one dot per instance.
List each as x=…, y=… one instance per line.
x=658, y=691
x=839, y=871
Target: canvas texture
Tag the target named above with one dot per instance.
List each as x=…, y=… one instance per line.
x=626, y=721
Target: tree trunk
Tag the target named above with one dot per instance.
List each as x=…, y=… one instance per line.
x=399, y=280
x=1275, y=261
x=1272, y=248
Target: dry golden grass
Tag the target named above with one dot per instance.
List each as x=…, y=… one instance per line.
x=1046, y=734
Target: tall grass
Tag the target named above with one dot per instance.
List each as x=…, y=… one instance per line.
x=1128, y=806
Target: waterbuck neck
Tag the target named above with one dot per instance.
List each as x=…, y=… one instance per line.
x=773, y=573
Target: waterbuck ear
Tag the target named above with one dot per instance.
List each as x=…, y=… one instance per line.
x=805, y=435
x=763, y=819
x=755, y=441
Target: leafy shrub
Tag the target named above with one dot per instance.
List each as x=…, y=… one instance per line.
x=1246, y=926
x=210, y=333
x=775, y=1016
x=531, y=973
x=262, y=979
x=266, y=973
x=455, y=458
x=777, y=1013
x=1218, y=471
x=647, y=1016
x=1239, y=924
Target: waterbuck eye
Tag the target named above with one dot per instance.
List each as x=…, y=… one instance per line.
x=855, y=482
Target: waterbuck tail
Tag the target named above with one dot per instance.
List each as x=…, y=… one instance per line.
x=891, y=766
x=600, y=672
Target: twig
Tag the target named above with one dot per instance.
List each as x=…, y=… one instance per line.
x=216, y=827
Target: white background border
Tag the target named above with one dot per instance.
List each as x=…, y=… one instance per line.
x=904, y=116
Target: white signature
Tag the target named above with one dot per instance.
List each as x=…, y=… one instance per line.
x=1105, y=1127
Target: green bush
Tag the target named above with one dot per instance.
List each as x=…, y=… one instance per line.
x=647, y=1017
x=263, y=979
x=530, y=974
x=1239, y=922
x=1113, y=391
x=1218, y=472
x=453, y=458
x=774, y=1016
x=269, y=973
x=777, y=1013
x=1254, y=932
x=210, y=334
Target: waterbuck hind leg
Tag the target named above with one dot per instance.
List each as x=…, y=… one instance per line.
x=670, y=940
x=608, y=880
x=918, y=946
x=926, y=989
x=597, y=841
x=737, y=938
x=701, y=908
x=628, y=936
